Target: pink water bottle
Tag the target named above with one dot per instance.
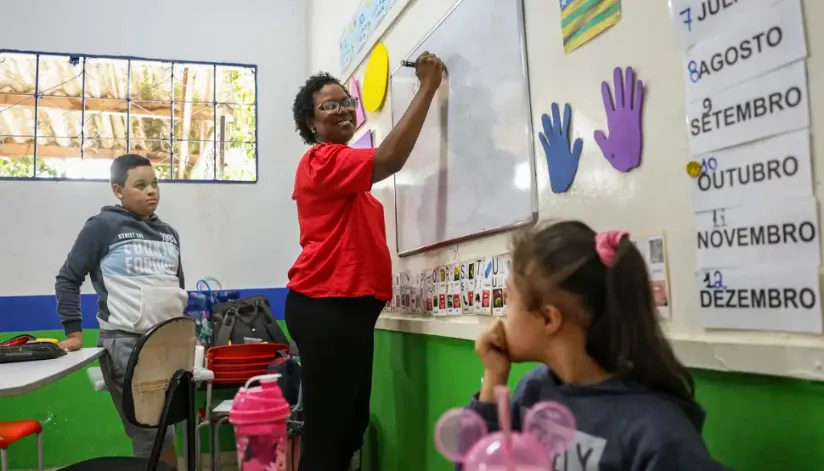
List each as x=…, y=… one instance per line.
x=259, y=415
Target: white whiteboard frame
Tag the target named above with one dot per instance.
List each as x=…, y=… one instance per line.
x=519, y=4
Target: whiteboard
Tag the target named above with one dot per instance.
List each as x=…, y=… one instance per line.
x=472, y=171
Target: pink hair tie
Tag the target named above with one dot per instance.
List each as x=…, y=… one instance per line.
x=606, y=244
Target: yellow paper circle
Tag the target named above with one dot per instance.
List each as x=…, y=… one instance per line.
x=694, y=169
x=376, y=78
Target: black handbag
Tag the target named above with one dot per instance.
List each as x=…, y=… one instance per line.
x=289, y=381
x=247, y=318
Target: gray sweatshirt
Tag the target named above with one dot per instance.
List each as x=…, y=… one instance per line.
x=622, y=426
x=124, y=255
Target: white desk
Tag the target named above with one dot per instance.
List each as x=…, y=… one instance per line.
x=23, y=377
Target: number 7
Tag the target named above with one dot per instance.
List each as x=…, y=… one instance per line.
x=687, y=12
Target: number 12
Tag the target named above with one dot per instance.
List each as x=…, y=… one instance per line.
x=687, y=12
x=713, y=280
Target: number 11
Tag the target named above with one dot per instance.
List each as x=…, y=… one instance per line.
x=719, y=218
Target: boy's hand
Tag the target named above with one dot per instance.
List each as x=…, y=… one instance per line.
x=73, y=342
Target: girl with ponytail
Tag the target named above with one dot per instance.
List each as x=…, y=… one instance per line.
x=581, y=305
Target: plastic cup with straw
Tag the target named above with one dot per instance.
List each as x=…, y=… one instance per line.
x=461, y=436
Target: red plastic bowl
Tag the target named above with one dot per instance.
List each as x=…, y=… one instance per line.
x=239, y=376
x=239, y=360
x=237, y=369
x=243, y=358
x=236, y=378
x=246, y=350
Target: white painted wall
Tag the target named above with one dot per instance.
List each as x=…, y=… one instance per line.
x=326, y=19
x=654, y=198
x=246, y=235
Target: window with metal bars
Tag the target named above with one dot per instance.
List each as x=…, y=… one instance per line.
x=65, y=116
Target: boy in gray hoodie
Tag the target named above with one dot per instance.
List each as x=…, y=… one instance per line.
x=581, y=304
x=133, y=259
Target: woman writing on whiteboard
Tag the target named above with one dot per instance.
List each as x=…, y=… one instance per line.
x=343, y=277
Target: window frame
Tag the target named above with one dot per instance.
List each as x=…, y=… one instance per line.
x=129, y=99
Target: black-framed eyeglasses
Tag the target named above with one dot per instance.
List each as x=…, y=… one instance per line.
x=330, y=106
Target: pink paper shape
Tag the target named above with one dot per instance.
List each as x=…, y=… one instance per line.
x=363, y=142
x=360, y=117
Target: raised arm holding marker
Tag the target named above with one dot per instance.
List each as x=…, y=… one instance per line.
x=411, y=64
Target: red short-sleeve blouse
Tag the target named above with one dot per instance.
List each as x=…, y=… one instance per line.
x=342, y=227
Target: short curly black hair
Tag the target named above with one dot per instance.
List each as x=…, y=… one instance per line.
x=304, y=106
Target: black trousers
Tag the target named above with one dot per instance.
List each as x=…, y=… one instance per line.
x=336, y=340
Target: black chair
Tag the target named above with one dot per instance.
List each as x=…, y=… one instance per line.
x=158, y=391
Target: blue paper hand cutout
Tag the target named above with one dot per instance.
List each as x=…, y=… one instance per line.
x=562, y=162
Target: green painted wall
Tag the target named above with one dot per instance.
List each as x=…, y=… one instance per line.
x=755, y=423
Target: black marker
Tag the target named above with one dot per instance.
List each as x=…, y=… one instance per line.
x=405, y=63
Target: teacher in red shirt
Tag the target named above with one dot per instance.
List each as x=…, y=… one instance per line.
x=343, y=277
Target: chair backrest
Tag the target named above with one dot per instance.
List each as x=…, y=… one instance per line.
x=167, y=348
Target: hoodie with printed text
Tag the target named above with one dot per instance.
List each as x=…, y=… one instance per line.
x=621, y=425
x=124, y=255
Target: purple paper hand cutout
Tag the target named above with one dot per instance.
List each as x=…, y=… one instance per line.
x=623, y=146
